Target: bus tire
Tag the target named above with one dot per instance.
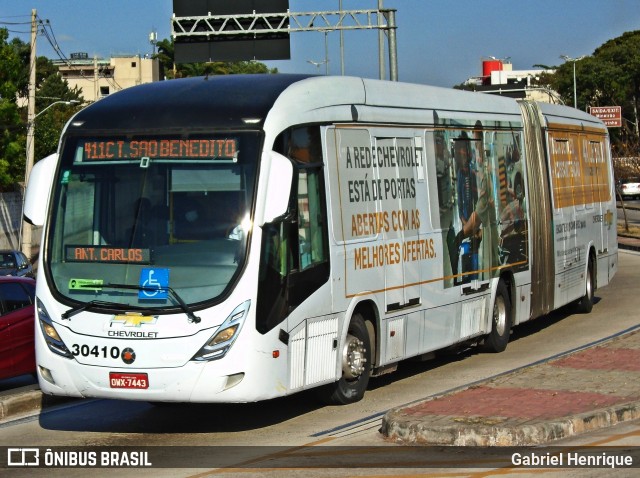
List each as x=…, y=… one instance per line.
x=497, y=340
x=356, y=366
x=584, y=304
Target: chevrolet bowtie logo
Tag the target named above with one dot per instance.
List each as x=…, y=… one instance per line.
x=130, y=320
x=608, y=218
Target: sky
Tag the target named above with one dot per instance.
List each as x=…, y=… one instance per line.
x=439, y=42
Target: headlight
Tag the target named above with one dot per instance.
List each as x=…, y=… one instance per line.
x=220, y=343
x=51, y=337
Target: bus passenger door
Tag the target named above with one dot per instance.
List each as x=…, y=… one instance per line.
x=396, y=178
x=597, y=168
x=565, y=170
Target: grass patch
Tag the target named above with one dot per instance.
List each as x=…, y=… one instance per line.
x=631, y=231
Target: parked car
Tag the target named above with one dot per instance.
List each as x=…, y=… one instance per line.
x=15, y=263
x=630, y=188
x=17, y=348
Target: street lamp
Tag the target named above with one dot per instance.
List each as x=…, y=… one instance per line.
x=31, y=133
x=326, y=56
x=61, y=102
x=573, y=60
x=25, y=234
x=316, y=64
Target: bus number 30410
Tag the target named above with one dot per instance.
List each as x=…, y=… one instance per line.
x=104, y=352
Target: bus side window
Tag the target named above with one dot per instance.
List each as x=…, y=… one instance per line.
x=311, y=266
x=311, y=219
x=303, y=146
x=275, y=264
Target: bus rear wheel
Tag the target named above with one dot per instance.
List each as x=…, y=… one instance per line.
x=356, y=366
x=497, y=340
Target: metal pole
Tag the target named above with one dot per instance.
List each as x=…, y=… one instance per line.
x=341, y=43
x=380, y=42
x=326, y=54
x=31, y=114
x=393, y=49
x=575, y=94
x=96, y=87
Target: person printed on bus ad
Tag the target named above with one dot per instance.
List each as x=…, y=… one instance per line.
x=513, y=233
x=446, y=200
x=444, y=181
x=483, y=219
x=467, y=198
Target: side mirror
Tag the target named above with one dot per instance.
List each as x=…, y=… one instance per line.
x=279, y=173
x=39, y=189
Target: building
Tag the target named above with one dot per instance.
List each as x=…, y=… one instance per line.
x=499, y=77
x=98, y=77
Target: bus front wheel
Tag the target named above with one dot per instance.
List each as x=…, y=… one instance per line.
x=497, y=339
x=355, y=357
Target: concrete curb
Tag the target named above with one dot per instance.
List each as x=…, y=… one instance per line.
x=28, y=401
x=443, y=420
x=20, y=403
x=413, y=431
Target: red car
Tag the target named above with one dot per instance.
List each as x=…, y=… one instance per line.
x=17, y=349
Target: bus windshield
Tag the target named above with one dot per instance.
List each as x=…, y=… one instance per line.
x=158, y=213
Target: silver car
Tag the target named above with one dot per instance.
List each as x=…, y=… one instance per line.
x=630, y=188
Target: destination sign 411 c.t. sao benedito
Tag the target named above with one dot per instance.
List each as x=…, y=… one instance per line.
x=209, y=148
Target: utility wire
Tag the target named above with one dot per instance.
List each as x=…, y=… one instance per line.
x=45, y=29
x=49, y=35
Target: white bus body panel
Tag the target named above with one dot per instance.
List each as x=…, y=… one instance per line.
x=418, y=306
x=581, y=223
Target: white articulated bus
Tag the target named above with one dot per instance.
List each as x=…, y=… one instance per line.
x=239, y=238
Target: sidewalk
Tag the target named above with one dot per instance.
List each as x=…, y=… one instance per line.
x=590, y=389
x=586, y=390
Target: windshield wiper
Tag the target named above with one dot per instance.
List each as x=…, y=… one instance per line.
x=94, y=304
x=183, y=305
x=91, y=305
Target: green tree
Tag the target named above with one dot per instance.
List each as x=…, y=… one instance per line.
x=12, y=144
x=49, y=124
x=182, y=70
x=14, y=83
x=620, y=58
x=609, y=77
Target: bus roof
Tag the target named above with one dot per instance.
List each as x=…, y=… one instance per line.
x=193, y=103
x=565, y=114
x=276, y=101
x=337, y=99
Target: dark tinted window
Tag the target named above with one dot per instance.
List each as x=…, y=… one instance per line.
x=14, y=297
x=7, y=260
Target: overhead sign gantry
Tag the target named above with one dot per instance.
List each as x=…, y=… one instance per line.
x=254, y=32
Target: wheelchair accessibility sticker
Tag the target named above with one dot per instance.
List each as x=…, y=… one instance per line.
x=154, y=284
